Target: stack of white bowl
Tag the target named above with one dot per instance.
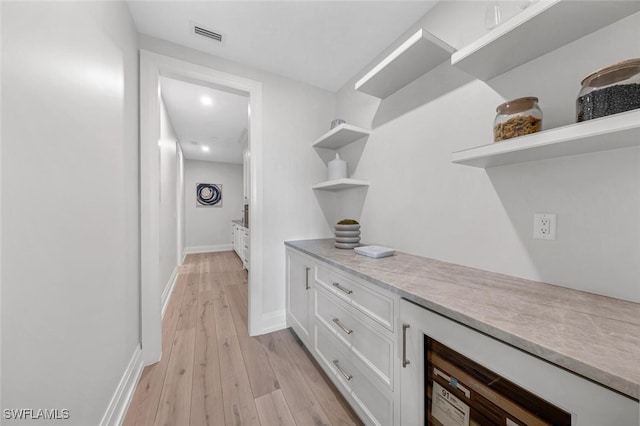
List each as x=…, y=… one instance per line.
x=347, y=236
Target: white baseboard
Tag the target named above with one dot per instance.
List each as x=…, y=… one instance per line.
x=207, y=249
x=117, y=409
x=168, y=289
x=273, y=321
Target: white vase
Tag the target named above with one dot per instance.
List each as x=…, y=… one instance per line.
x=337, y=168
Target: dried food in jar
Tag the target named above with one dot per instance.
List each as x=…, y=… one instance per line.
x=607, y=101
x=517, y=117
x=610, y=90
x=518, y=125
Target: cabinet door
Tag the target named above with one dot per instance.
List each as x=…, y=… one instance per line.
x=235, y=238
x=299, y=276
x=412, y=410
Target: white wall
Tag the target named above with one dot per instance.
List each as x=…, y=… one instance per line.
x=168, y=200
x=180, y=192
x=210, y=227
x=70, y=241
x=294, y=115
x=419, y=202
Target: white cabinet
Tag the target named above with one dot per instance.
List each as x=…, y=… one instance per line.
x=373, y=402
x=237, y=237
x=240, y=239
x=357, y=353
x=245, y=248
x=588, y=403
x=348, y=325
x=299, y=296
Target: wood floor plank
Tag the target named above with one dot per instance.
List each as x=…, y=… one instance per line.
x=261, y=376
x=239, y=403
x=145, y=401
x=206, y=398
x=212, y=372
x=297, y=393
x=224, y=319
x=273, y=410
x=311, y=416
x=175, y=401
x=337, y=410
x=189, y=311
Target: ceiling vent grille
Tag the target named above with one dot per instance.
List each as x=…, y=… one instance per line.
x=206, y=33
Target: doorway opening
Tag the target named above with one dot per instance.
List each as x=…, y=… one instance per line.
x=161, y=73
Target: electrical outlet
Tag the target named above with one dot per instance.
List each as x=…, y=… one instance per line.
x=544, y=226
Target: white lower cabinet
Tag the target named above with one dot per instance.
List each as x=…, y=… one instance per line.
x=240, y=240
x=372, y=401
x=299, y=294
x=245, y=248
x=347, y=324
x=371, y=344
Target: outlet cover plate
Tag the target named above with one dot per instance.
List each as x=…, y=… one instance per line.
x=544, y=226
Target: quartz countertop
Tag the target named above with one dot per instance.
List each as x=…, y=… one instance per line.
x=237, y=222
x=594, y=336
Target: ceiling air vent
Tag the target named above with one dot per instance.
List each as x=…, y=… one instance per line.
x=197, y=29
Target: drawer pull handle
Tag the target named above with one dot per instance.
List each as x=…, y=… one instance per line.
x=339, y=324
x=346, y=375
x=405, y=361
x=339, y=287
x=306, y=278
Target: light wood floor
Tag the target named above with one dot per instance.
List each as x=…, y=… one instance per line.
x=213, y=373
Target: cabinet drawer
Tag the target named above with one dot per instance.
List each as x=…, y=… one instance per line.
x=359, y=294
x=370, y=400
x=362, y=339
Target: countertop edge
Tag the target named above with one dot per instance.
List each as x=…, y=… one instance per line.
x=618, y=384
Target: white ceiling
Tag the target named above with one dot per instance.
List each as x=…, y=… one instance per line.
x=320, y=43
x=219, y=126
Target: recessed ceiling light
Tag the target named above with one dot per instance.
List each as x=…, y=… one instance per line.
x=206, y=100
x=205, y=148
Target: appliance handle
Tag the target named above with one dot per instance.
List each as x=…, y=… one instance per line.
x=405, y=361
x=306, y=278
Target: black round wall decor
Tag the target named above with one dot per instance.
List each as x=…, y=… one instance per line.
x=209, y=194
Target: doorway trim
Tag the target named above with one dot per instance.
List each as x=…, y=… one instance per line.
x=152, y=67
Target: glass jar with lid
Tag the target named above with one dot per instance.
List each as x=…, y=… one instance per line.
x=518, y=117
x=610, y=90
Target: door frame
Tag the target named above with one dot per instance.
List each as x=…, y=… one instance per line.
x=152, y=67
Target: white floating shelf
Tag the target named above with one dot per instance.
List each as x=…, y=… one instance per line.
x=339, y=184
x=421, y=53
x=539, y=29
x=340, y=136
x=602, y=134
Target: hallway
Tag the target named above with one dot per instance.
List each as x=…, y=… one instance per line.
x=213, y=373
